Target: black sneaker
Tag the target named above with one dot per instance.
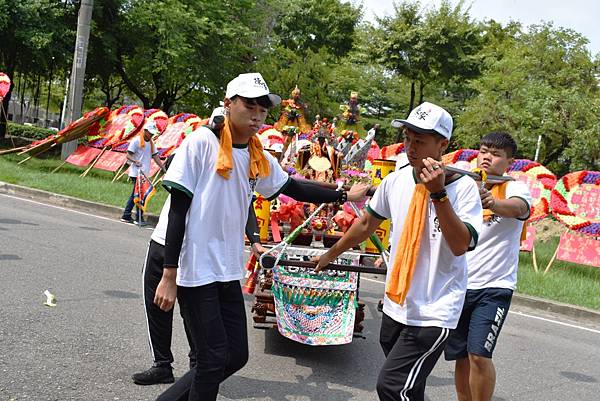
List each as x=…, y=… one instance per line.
x=140, y=223
x=126, y=219
x=154, y=375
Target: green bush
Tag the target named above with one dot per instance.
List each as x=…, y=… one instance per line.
x=26, y=131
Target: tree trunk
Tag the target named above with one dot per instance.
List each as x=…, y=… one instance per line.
x=412, y=97
x=22, y=93
x=4, y=115
x=421, y=87
x=36, y=101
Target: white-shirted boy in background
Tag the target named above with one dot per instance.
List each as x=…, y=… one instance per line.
x=492, y=269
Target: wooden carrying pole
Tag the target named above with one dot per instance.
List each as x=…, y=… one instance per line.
x=268, y=262
x=94, y=162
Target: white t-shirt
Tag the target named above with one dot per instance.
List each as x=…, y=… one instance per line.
x=143, y=155
x=160, y=231
x=494, y=263
x=213, y=244
x=439, y=282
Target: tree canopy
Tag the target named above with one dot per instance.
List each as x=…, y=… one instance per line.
x=178, y=55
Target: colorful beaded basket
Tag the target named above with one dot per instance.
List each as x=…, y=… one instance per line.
x=569, y=197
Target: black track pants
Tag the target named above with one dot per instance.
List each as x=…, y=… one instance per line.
x=160, y=323
x=411, y=353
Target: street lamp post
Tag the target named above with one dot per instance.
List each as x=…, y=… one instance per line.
x=78, y=71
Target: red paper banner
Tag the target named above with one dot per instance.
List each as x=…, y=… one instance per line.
x=82, y=156
x=111, y=161
x=527, y=244
x=578, y=249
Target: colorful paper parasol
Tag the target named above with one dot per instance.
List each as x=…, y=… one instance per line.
x=540, y=181
x=191, y=119
x=575, y=201
x=159, y=117
x=122, y=124
x=172, y=137
x=4, y=85
x=90, y=122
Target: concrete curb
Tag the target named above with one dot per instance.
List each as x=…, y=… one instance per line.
x=572, y=311
x=67, y=202
x=115, y=212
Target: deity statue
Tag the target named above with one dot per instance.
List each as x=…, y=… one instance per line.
x=293, y=113
x=350, y=117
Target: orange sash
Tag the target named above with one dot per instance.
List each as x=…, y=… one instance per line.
x=407, y=250
x=259, y=165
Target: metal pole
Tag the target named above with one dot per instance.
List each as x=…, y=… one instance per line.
x=63, y=110
x=537, y=148
x=78, y=71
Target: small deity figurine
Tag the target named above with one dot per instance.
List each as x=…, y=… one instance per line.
x=293, y=113
x=350, y=117
x=324, y=159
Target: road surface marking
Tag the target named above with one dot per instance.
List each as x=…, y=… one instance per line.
x=69, y=210
x=519, y=313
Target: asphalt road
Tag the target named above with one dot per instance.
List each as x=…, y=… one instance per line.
x=87, y=347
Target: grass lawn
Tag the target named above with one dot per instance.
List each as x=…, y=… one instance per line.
x=96, y=186
x=565, y=282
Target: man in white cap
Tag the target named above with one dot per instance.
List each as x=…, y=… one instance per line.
x=140, y=153
x=211, y=182
x=436, y=220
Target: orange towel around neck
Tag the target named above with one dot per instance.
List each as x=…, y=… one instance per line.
x=143, y=142
x=259, y=165
x=407, y=250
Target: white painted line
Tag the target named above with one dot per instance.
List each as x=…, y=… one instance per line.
x=519, y=313
x=372, y=280
x=555, y=321
x=69, y=210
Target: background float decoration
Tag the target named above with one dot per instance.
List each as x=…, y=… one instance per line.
x=190, y=119
x=575, y=202
x=122, y=124
x=540, y=181
x=391, y=152
x=90, y=122
x=160, y=118
x=4, y=85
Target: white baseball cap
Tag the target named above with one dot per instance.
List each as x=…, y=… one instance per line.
x=151, y=127
x=218, y=111
x=251, y=86
x=428, y=118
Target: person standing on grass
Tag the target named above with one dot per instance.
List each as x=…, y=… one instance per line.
x=492, y=273
x=211, y=181
x=436, y=220
x=140, y=153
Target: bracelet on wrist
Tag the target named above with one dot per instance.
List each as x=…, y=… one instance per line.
x=440, y=200
x=343, y=197
x=438, y=195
